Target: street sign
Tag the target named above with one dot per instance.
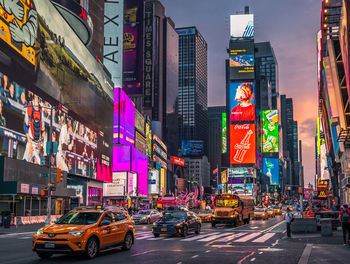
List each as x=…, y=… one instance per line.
x=44, y=175
x=215, y=171
x=51, y=184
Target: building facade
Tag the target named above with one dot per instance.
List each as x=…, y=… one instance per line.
x=198, y=172
x=193, y=86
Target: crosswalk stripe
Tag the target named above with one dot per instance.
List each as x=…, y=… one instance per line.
x=248, y=237
x=228, y=238
x=144, y=237
x=156, y=238
x=198, y=237
x=171, y=238
x=264, y=238
x=207, y=239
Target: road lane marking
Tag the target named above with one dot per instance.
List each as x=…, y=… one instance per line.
x=228, y=238
x=243, y=259
x=171, y=238
x=253, y=259
x=144, y=237
x=198, y=237
x=207, y=251
x=207, y=239
x=248, y=237
x=264, y=238
x=306, y=254
x=142, y=253
x=195, y=256
x=155, y=238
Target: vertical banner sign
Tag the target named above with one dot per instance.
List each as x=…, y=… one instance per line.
x=148, y=55
x=113, y=40
x=224, y=133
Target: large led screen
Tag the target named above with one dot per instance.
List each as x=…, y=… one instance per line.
x=242, y=144
x=240, y=172
x=124, y=119
x=344, y=41
x=242, y=26
x=224, y=133
x=241, y=60
x=269, y=131
x=241, y=189
x=271, y=170
x=192, y=147
x=242, y=101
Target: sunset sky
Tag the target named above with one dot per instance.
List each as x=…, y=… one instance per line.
x=290, y=26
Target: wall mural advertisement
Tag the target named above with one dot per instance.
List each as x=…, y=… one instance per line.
x=271, y=170
x=242, y=26
x=224, y=133
x=124, y=119
x=242, y=144
x=242, y=102
x=269, y=131
x=242, y=60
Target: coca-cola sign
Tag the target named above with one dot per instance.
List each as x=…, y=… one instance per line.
x=242, y=144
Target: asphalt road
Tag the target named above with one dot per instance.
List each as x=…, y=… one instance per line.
x=258, y=242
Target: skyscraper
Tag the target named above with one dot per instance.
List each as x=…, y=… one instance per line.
x=193, y=86
x=266, y=73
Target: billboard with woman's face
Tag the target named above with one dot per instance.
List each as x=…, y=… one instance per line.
x=242, y=101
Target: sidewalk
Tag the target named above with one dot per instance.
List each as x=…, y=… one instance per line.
x=20, y=228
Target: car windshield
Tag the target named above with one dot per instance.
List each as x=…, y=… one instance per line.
x=79, y=218
x=177, y=215
x=144, y=212
x=205, y=212
x=259, y=210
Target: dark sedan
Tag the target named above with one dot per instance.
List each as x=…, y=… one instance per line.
x=177, y=222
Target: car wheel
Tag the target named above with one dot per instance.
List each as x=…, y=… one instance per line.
x=148, y=221
x=198, y=229
x=127, y=241
x=184, y=231
x=156, y=235
x=213, y=224
x=44, y=255
x=91, y=248
x=235, y=222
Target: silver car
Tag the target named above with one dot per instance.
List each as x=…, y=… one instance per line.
x=146, y=216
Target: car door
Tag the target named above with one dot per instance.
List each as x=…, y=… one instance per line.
x=121, y=226
x=106, y=230
x=154, y=216
x=191, y=221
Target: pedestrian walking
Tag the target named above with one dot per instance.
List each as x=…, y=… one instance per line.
x=288, y=218
x=344, y=217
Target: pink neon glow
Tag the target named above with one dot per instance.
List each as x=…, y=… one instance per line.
x=104, y=172
x=121, y=158
x=141, y=167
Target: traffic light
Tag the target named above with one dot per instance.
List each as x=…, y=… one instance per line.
x=44, y=193
x=59, y=175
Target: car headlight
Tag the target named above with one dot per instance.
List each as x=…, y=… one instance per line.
x=144, y=218
x=179, y=225
x=154, y=224
x=76, y=233
x=39, y=232
x=212, y=215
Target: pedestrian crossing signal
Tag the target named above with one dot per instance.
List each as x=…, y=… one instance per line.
x=59, y=177
x=44, y=193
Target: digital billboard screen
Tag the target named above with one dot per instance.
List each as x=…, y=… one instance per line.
x=242, y=26
x=269, y=131
x=242, y=101
x=241, y=60
x=124, y=119
x=241, y=172
x=241, y=189
x=344, y=40
x=192, y=147
x=242, y=144
x=271, y=170
x=224, y=133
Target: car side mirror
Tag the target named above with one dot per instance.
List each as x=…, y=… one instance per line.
x=105, y=223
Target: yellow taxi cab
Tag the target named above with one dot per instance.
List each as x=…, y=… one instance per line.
x=270, y=212
x=205, y=215
x=87, y=231
x=260, y=213
x=277, y=210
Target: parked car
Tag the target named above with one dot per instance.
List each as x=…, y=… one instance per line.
x=177, y=223
x=85, y=231
x=146, y=216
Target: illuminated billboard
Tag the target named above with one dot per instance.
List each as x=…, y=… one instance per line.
x=269, y=131
x=271, y=170
x=192, y=147
x=140, y=122
x=242, y=101
x=132, y=46
x=242, y=26
x=241, y=172
x=177, y=161
x=241, y=188
x=224, y=133
x=242, y=144
x=241, y=60
x=124, y=119
x=344, y=41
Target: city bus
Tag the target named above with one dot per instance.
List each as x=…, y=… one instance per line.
x=232, y=209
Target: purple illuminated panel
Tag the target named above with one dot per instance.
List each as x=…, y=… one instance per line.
x=124, y=119
x=121, y=158
x=141, y=167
